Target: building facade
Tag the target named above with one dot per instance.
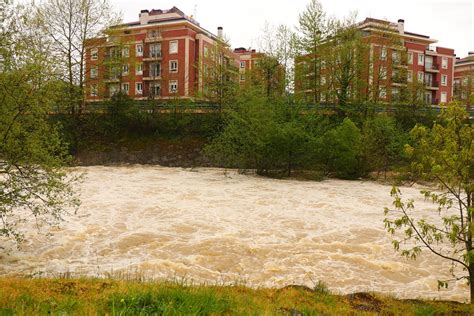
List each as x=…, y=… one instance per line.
x=248, y=60
x=464, y=80
x=162, y=56
x=393, y=61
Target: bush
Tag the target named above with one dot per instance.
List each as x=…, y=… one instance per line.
x=341, y=151
x=383, y=143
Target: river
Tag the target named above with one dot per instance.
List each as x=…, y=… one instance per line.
x=211, y=226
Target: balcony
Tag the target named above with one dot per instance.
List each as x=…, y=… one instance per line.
x=153, y=56
x=431, y=85
x=431, y=68
x=153, y=37
x=152, y=76
x=399, y=80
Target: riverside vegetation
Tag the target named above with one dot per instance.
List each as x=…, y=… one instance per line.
x=111, y=297
x=263, y=127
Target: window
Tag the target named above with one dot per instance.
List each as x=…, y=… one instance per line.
x=444, y=80
x=94, y=72
x=383, y=53
x=155, y=88
x=113, y=90
x=323, y=80
x=410, y=76
x=395, y=94
x=242, y=77
x=115, y=73
x=410, y=58
x=444, y=63
x=421, y=59
x=428, y=98
x=206, y=51
x=444, y=97
x=94, y=54
x=94, y=90
x=464, y=81
x=139, y=69
x=126, y=52
x=139, y=50
x=114, y=53
x=421, y=76
x=242, y=64
x=173, y=86
x=173, y=66
x=382, y=93
x=323, y=64
x=155, y=70
x=155, y=50
x=139, y=88
x=173, y=47
x=395, y=57
x=383, y=73
x=153, y=34
x=125, y=70
x=126, y=88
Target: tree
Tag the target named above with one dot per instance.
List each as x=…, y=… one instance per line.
x=341, y=150
x=32, y=181
x=313, y=30
x=443, y=155
x=68, y=24
x=383, y=143
x=278, y=45
x=264, y=135
x=218, y=75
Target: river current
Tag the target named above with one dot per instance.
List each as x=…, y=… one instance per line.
x=212, y=226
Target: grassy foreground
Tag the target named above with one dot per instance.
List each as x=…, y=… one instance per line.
x=109, y=297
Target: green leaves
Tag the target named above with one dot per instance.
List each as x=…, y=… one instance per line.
x=32, y=152
x=444, y=156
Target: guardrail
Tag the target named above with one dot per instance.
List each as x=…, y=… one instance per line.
x=145, y=106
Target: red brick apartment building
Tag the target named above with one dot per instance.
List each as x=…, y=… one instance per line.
x=464, y=80
x=414, y=57
x=248, y=59
x=161, y=56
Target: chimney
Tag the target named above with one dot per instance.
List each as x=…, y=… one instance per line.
x=220, y=32
x=401, y=26
x=144, y=17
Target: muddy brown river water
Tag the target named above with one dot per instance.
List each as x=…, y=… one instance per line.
x=207, y=226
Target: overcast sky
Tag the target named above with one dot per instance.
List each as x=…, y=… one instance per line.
x=449, y=21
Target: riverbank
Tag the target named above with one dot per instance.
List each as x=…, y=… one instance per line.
x=112, y=297
x=185, y=152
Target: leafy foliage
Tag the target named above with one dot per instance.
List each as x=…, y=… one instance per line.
x=443, y=155
x=341, y=150
x=32, y=183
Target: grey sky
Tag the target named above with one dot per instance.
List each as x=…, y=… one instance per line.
x=451, y=22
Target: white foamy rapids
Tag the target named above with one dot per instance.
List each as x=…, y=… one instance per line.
x=211, y=227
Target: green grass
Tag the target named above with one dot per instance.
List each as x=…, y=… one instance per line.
x=113, y=297
x=168, y=301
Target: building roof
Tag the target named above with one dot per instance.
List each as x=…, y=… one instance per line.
x=392, y=26
x=159, y=16
x=466, y=60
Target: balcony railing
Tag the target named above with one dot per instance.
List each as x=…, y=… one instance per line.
x=153, y=37
x=431, y=84
x=153, y=55
x=431, y=67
